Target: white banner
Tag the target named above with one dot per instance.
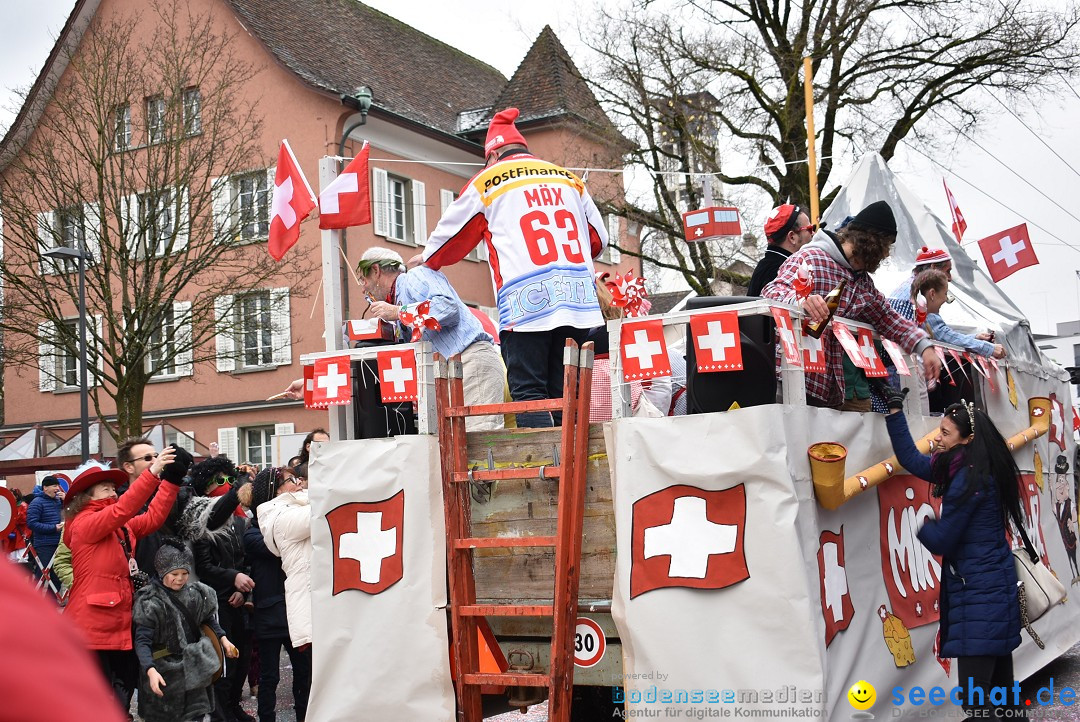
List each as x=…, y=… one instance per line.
x=378, y=582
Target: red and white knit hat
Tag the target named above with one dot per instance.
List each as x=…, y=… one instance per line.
x=928, y=256
x=502, y=131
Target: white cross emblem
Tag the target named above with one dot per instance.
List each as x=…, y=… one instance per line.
x=332, y=381
x=329, y=201
x=369, y=545
x=813, y=347
x=787, y=336
x=699, y=232
x=397, y=375
x=690, y=539
x=868, y=350
x=716, y=341
x=642, y=349
x=1008, y=252
x=283, y=195
x=835, y=581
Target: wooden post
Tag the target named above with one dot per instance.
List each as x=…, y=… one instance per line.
x=811, y=142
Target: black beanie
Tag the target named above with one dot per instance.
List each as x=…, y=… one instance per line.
x=263, y=488
x=877, y=216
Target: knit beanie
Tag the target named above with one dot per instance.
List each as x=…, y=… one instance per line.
x=263, y=488
x=502, y=131
x=172, y=555
x=877, y=216
x=928, y=256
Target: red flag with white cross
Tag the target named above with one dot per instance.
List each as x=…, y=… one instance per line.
x=848, y=343
x=897, y=355
x=309, y=388
x=293, y=200
x=959, y=225
x=346, y=202
x=1007, y=252
x=837, y=608
x=397, y=375
x=716, y=341
x=644, y=350
x=332, y=381
x=874, y=367
x=367, y=539
x=785, y=331
x=813, y=355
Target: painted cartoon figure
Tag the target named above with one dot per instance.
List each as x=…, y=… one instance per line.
x=897, y=638
x=1064, y=512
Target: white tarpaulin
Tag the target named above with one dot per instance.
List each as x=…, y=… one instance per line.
x=378, y=583
x=730, y=578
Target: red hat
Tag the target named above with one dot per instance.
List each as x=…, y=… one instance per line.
x=90, y=473
x=782, y=218
x=927, y=256
x=502, y=132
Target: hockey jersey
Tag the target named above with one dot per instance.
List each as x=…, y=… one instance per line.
x=542, y=230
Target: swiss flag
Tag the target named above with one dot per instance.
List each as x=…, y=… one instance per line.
x=683, y=536
x=897, y=355
x=292, y=202
x=959, y=225
x=309, y=388
x=332, y=379
x=836, y=605
x=397, y=375
x=367, y=541
x=644, y=350
x=1007, y=252
x=784, y=330
x=813, y=355
x=874, y=367
x=1057, y=422
x=716, y=341
x=346, y=201
x=849, y=344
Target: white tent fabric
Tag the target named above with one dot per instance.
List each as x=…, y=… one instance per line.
x=20, y=448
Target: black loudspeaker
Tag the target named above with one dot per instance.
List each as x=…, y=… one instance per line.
x=754, y=385
x=372, y=418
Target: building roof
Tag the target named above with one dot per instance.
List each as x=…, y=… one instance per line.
x=340, y=45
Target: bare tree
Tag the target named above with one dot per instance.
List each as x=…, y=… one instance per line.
x=715, y=86
x=131, y=160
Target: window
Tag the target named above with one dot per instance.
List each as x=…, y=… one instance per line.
x=67, y=363
x=58, y=353
x=611, y=254
x=183, y=439
x=156, y=222
x=72, y=228
x=253, y=330
x=161, y=357
x=155, y=119
x=399, y=208
x=122, y=131
x=1076, y=354
x=252, y=205
x=256, y=330
x=398, y=201
x=256, y=445
x=192, y=111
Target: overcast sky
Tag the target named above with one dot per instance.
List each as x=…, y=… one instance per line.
x=500, y=34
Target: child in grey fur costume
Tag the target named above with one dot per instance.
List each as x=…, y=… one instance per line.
x=176, y=661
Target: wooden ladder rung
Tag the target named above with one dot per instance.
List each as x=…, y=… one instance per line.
x=504, y=542
x=509, y=407
x=506, y=610
x=522, y=472
x=523, y=680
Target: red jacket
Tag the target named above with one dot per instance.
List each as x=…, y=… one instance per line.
x=17, y=539
x=101, y=597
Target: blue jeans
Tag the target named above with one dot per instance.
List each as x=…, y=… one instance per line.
x=534, y=369
x=270, y=675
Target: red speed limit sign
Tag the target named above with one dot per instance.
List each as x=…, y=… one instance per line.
x=589, y=643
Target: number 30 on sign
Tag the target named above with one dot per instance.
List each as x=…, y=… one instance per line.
x=589, y=643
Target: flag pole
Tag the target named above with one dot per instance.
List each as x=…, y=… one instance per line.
x=811, y=142
x=341, y=422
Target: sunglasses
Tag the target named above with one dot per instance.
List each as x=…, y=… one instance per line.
x=812, y=227
x=219, y=481
x=146, y=457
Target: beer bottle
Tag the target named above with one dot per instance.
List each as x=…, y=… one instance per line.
x=832, y=301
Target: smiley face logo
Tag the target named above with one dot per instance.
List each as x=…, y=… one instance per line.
x=862, y=695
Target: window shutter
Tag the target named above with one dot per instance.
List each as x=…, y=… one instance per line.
x=446, y=197
x=419, y=200
x=183, y=221
x=182, y=336
x=92, y=230
x=221, y=207
x=224, y=339
x=280, y=429
x=96, y=346
x=46, y=223
x=228, y=443
x=279, y=321
x=614, y=254
x=186, y=441
x=133, y=227
x=46, y=357
x=380, y=213
x=271, y=172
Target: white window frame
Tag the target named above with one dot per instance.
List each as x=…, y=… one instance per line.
x=611, y=255
x=175, y=331
x=155, y=119
x=231, y=341
x=400, y=208
x=191, y=104
x=50, y=231
x=122, y=128
x=266, y=448
x=52, y=358
x=256, y=203
x=258, y=328
x=173, y=204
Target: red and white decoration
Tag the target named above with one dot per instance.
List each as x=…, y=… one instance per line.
x=785, y=331
x=813, y=355
x=897, y=355
x=418, y=317
x=836, y=607
x=397, y=375
x=369, y=329
x=628, y=293
x=804, y=280
x=717, y=342
x=292, y=202
x=1007, y=252
x=911, y=573
x=309, y=389
x=959, y=225
x=848, y=342
x=684, y=536
x=1076, y=419
x=712, y=222
x=644, y=350
x=332, y=382
x=590, y=642
x=874, y=367
x=367, y=540
x=346, y=202
x=1057, y=422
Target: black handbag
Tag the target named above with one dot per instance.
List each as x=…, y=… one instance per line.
x=139, y=578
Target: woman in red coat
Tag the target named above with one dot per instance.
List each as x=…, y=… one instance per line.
x=97, y=526
x=16, y=540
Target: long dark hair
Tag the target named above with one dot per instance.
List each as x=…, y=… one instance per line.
x=988, y=458
x=304, y=451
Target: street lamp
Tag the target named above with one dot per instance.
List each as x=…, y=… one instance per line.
x=360, y=99
x=84, y=404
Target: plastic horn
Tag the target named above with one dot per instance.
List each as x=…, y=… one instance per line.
x=1039, y=416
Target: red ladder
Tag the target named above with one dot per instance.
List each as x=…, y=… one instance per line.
x=464, y=611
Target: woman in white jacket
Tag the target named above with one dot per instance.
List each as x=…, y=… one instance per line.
x=284, y=516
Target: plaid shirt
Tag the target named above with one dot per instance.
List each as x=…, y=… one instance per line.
x=861, y=301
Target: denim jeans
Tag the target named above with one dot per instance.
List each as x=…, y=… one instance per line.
x=534, y=369
x=269, y=675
